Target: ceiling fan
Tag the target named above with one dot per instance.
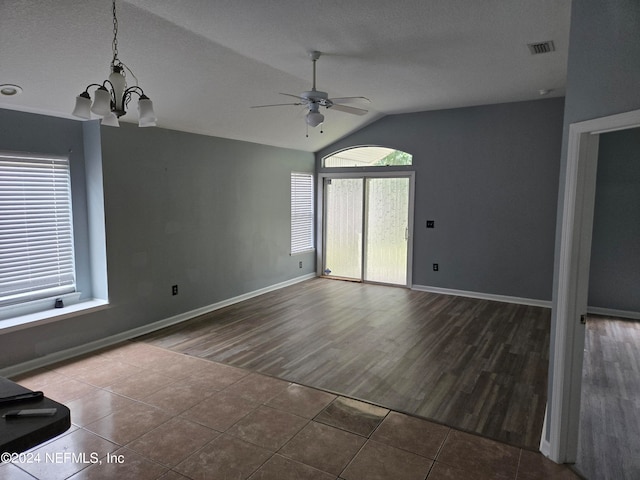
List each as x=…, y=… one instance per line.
x=314, y=99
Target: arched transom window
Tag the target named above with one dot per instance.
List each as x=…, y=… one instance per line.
x=367, y=157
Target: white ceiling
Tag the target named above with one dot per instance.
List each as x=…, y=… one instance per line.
x=204, y=63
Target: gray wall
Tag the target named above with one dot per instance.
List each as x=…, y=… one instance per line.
x=614, y=281
x=209, y=214
x=488, y=176
x=602, y=79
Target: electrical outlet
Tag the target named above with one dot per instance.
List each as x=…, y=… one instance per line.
x=435, y=267
x=300, y=264
x=174, y=290
x=431, y=224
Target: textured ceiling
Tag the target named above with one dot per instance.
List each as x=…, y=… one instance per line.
x=204, y=63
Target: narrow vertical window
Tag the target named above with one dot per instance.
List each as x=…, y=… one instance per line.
x=301, y=212
x=36, y=228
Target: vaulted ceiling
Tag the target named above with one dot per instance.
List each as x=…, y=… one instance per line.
x=204, y=63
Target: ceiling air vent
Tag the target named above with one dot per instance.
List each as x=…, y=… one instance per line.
x=541, y=47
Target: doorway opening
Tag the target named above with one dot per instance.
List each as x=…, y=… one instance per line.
x=560, y=433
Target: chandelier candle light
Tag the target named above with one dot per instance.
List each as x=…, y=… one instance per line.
x=113, y=96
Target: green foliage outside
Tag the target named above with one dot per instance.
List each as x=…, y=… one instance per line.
x=395, y=158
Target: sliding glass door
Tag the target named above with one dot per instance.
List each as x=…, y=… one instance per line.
x=366, y=228
x=387, y=228
x=343, y=227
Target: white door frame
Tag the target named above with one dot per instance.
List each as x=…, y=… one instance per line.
x=563, y=408
x=410, y=174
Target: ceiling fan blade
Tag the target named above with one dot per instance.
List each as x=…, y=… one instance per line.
x=294, y=96
x=346, y=109
x=276, y=105
x=348, y=99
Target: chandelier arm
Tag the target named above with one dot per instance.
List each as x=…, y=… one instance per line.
x=112, y=92
x=134, y=89
x=86, y=90
x=126, y=96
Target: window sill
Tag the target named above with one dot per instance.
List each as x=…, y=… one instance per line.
x=301, y=252
x=52, y=315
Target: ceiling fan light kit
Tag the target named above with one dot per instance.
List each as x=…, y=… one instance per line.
x=314, y=99
x=314, y=117
x=112, y=97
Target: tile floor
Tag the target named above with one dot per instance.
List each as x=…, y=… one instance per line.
x=142, y=412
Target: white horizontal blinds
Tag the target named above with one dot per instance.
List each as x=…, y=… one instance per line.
x=301, y=212
x=36, y=229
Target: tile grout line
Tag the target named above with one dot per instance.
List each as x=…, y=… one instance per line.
x=518, y=466
x=276, y=452
x=353, y=458
x=438, y=452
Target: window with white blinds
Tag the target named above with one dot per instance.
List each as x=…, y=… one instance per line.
x=301, y=212
x=36, y=228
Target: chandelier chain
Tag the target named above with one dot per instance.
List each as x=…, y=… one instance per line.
x=115, y=36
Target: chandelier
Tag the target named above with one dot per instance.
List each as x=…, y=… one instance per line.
x=112, y=97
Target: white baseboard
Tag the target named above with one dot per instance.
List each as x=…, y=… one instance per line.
x=136, y=332
x=545, y=446
x=484, y=296
x=607, y=312
x=610, y=312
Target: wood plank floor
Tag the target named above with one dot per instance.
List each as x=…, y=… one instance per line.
x=609, y=442
x=476, y=365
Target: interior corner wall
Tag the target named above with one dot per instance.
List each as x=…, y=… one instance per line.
x=95, y=210
x=488, y=177
x=210, y=215
x=603, y=75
